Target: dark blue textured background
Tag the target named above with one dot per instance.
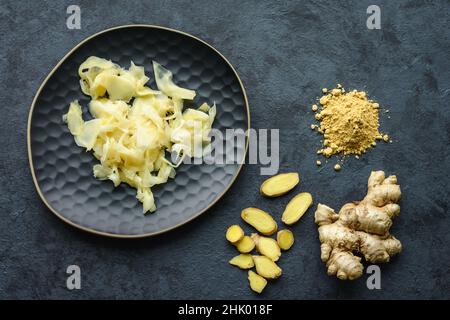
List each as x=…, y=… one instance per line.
x=285, y=52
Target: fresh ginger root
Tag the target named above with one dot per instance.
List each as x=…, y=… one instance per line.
x=296, y=208
x=279, y=184
x=243, y=261
x=245, y=245
x=266, y=268
x=260, y=220
x=360, y=227
x=257, y=283
x=267, y=246
x=285, y=239
x=234, y=233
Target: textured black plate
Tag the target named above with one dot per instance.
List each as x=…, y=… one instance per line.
x=62, y=172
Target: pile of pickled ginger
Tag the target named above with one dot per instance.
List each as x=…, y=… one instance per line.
x=133, y=125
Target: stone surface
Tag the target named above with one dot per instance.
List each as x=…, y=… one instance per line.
x=285, y=53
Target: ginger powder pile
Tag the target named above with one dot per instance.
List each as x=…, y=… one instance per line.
x=348, y=121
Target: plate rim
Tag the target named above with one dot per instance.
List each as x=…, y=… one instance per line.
x=150, y=234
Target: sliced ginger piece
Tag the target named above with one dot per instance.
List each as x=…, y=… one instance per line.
x=279, y=184
x=245, y=245
x=243, y=261
x=285, y=239
x=267, y=247
x=296, y=208
x=257, y=283
x=234, y=233
x=266, y=268
x=260, y=220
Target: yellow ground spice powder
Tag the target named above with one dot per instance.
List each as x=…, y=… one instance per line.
x=349, y=122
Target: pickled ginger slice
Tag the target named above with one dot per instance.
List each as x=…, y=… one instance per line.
x=165, y=84
x=74, y=119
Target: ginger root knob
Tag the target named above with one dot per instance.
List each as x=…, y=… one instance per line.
x=360, y=228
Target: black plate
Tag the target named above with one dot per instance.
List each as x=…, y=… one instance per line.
x=62, y=172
